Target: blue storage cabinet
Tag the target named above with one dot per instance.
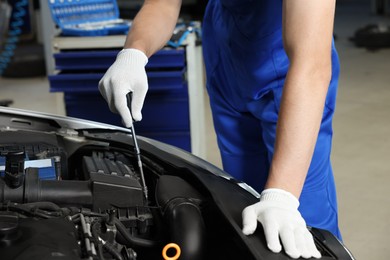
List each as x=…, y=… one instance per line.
x=166, y=115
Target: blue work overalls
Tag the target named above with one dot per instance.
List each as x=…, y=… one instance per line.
x=246, y=67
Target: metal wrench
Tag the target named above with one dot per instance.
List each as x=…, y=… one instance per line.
x=136, y=149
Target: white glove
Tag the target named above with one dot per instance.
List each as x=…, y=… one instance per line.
x=278, y=212
x=126, y=74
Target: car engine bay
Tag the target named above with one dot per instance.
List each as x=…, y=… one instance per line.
x=72, y=189
x=92, y=198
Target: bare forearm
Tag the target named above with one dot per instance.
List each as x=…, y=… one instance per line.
x=298, y=126
x=153, y=25
x=307, y=35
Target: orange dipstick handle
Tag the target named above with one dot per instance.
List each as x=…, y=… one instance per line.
x=169, y=246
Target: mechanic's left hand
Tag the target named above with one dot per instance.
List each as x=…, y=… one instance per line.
x=278, y=213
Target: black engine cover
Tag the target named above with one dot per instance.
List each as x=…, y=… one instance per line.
x=31, y=239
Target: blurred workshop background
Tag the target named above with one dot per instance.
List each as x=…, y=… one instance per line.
x=361, y=148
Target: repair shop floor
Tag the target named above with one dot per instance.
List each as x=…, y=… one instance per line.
x=361, y=148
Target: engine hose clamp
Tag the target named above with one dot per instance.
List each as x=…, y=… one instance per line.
x=174, y=246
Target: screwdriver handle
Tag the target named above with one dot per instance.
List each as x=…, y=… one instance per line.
x=129, y=98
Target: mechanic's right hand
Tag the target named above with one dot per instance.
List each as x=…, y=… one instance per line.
x=126, y=74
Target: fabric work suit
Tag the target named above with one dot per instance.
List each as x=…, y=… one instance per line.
x=246, y=67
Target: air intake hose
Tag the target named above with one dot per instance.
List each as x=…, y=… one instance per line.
x=59, y=192
x=181, y=211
